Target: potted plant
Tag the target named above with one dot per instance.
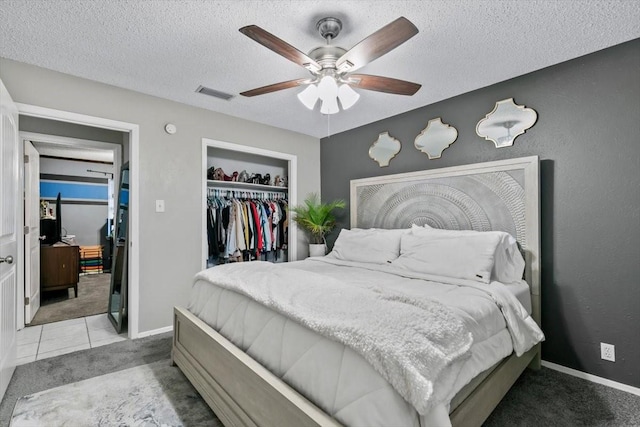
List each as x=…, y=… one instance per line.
x=317, y=219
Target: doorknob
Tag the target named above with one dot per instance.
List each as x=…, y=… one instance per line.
x=8, y=259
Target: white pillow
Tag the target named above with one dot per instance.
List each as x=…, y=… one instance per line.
x=508, y=264
x=372, y=245
x=463, y=256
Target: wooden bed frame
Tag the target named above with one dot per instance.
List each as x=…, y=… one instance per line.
x=244, y=393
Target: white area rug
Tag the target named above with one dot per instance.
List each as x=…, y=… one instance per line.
x=149, y=395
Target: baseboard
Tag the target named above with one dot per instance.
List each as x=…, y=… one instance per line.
x=592, y=378
x=155, y=332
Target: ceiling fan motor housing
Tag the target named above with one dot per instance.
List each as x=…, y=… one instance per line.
x=327, y=56
x=329, y=28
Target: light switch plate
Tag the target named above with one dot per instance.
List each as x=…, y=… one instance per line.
x=159, y=205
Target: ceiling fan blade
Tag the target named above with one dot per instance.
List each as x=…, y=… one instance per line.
x=275, y=87
x=383, y=84
x=377, y=44
x=280, y=47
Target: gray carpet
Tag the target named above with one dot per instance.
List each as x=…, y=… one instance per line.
x=93, y=298
x=542, y=398
x=550, y=398
x=69, y=368
x=148, y=395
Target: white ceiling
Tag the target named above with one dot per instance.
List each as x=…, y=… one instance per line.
x=169, y=48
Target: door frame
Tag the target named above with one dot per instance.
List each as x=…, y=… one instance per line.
x=67, y=141
x=64, y=141
x=134, y=214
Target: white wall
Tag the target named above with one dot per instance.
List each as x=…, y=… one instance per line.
x=170, y=169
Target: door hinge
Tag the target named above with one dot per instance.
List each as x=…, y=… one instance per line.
x=26, y=301
x=26, y=158
x=26, y=229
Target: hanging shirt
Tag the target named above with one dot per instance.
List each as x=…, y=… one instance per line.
x=283, y=226
x=231, y=232
x=239, y=235
x=266, y=227
x=251, y=222
x=245, y=225
x=258, y=224
x=276, y=217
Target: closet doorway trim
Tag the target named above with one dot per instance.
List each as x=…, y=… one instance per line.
x=292, y=162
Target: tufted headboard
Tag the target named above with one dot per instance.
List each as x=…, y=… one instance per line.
x=502, y=195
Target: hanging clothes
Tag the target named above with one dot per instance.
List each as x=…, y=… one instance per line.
x=246, y=226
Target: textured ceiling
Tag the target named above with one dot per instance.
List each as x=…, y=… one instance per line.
x=169, y=48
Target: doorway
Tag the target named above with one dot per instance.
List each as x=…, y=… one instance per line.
x=130, y=151
x=80, y=175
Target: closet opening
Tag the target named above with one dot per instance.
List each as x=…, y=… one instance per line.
x=246, y=192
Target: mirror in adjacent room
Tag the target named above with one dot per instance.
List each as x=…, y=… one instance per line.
x=506, y=122
x=117, y=311
x=435, y=138
x=384, y=149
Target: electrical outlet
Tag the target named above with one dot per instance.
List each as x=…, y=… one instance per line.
x=608, y=352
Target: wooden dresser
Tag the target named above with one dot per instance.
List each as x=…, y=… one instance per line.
x=59, y=268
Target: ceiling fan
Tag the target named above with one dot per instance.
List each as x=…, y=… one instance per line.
x=332, y=66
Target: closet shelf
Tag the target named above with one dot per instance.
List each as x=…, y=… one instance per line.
x=244, y=185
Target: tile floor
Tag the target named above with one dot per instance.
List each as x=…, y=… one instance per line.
x=67, y=336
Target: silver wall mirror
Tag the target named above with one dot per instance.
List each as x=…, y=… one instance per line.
x=506, y=122
x=384, y=149
x=435, y=138
x=118, y=295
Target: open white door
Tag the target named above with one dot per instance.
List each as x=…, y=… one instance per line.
x=10, y=200
x=32, y=231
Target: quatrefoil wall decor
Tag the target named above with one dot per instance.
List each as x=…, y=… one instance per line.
x=435, y=138
x=506, y=122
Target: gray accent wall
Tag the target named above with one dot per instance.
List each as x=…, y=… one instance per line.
x=588, y=139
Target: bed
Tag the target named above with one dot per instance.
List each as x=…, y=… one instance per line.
x=231, y=375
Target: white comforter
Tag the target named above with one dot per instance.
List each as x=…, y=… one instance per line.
x=524, y=331
x=397, y=343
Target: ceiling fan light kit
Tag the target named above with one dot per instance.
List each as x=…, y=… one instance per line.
x=329, y=106
x=309, y=96
x=331, y=65
x=348, y=97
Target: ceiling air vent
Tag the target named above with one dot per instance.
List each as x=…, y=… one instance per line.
x=215, y=93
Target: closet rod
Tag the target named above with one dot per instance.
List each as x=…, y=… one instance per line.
x=246, y=194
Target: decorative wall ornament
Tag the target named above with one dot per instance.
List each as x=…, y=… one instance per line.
x=435, y=138
x=384, y=149
x=506, y=122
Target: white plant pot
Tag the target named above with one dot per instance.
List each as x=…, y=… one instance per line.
x=317, y=249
